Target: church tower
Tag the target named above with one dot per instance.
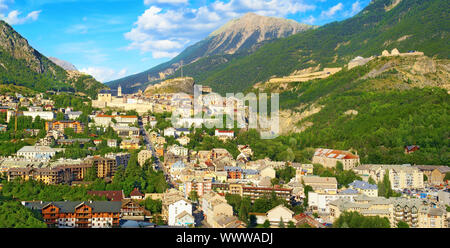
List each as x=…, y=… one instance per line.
x=119, y=91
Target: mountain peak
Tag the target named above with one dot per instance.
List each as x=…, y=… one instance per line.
x=251, y=22
x=63, y=64
x=243, y=35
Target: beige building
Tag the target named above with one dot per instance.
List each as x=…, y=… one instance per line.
x=267, y=171
x=105, y=99
x=278, y=214
x=400, y=176
x=184, y=140
x=143, y=156
x=415, y=212
x=328, y=158
x=275, y=216
x=321, y=184
x=215, y=207
x=435, y=173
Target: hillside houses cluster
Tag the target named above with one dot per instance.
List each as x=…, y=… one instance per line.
x=200, y=180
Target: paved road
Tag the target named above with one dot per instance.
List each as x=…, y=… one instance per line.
x=148, y=144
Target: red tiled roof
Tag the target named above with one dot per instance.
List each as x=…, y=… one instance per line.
x=330, y=153
x=224, y=131
x=110, y=195
x=136, y=192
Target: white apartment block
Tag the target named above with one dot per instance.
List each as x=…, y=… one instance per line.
x=45, y=115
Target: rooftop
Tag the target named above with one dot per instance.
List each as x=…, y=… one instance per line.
x=337, y=154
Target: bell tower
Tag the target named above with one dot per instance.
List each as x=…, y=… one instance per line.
x=119, y=91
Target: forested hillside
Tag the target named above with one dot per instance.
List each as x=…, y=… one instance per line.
x=377, y=116
x=22, y=65
x=411, y=25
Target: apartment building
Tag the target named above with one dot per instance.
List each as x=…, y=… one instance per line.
x=45, y=115
x=76, y=214
x=177, y=210
x=435, y=173
x=38, y=152
x=319, y=202
x=364, y=188
x=130, y=144
x=321, y=184
x=252, y=192
x=178, y=150
x=143, y=156
x=201, y=187
x=77, y=126
x=417, y=213
x=48, y=175
x=110, y=120
x=105, y=166
x=400, y=176
x=126, y=131
x=215, y=207
x=367, y=206
x=121, y=158
x=329, y=157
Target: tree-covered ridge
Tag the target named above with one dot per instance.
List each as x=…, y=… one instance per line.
x=16, y=72
x=378, y=116
x=411, y=25
x=22, y=65
x=386, y=122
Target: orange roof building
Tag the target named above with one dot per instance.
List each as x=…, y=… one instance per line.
x=329, y=158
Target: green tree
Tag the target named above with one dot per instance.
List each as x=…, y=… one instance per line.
x=274, y=181
x=281, y=224
x=193, y=196
x=447, y=176
x=306, y=190
x=402, y=224
x=356, y=220
x=91, y=174
x=291, y=224
x=60, y=116
x=266, y=224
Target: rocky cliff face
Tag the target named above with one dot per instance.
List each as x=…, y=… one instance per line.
x=63, y=64
x=14, y=44
x=246, y=32
x=176, y=85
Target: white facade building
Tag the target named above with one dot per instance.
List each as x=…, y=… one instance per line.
x=45, y=115
x=37, y=152
x=176, y=208
x=320, y=202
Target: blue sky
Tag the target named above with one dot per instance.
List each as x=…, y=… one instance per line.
x=110, y=39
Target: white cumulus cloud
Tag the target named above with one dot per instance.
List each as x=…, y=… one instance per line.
x=331, y=11
x=356, y=7
x=104, y=74
x=14, y=18
x=165, y=32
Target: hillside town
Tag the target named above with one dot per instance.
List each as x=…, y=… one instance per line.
x=138, y=169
